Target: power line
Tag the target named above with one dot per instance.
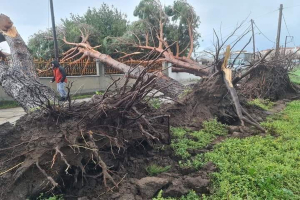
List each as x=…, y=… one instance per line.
x=263, y=34
x=288, y=30
x=286, y=25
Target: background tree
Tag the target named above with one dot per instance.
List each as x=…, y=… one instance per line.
x=101, y=23
x=185, y=34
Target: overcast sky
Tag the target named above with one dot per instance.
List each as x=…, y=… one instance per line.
x=30, y=16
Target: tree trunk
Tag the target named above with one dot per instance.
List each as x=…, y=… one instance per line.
x=166, y=85
x=20, y=80
x=28, y=92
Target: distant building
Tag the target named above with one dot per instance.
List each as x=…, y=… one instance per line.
x=293, y=51
x=240, y=58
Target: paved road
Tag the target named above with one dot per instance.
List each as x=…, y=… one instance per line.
x=13, y=114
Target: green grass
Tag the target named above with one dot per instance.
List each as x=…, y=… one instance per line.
x=186, y=140
x=154, y=169
x=295, y=76
x=261, y=167
x=190, y=196
x=8, y=104
x=262, y=103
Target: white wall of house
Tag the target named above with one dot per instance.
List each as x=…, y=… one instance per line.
x=179, y=76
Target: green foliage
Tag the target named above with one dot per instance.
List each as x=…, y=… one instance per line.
x=183, y=17
x=190, y=196
x=8, y=104
x=196, y=162
x=186, y=141
x=178, y=132
x=99, y=93
x=261, y=167
x=184, y=145
x=154, y=169
x=185, y=92
x=155, y=103
x=177, y=19
x=214, y=127
x=54, y=197
x=100, y=22
x=262, y=103
x=295, y=76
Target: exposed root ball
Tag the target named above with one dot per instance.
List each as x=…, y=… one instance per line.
x=268, y=82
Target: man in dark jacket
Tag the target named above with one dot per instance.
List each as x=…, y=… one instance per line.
x=60, y=78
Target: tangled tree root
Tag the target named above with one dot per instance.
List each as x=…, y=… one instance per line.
x=268, y=81
x=79, y=142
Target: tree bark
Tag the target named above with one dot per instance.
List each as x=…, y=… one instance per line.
x=20, y=80
x=28, y=92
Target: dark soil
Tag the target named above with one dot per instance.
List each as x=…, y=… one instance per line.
x=207, y=99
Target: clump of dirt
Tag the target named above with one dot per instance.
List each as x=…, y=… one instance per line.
x=207, y=99
x=34, y=138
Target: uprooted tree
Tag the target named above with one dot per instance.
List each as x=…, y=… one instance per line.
x=79, y=140
x=58, y=146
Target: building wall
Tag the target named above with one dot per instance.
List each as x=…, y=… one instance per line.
x=179, y=76
x=92, y=83
x=81, y=84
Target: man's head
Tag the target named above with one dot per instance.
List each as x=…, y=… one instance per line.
x=55, y=64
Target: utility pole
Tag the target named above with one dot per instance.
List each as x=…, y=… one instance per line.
x=252, y=21
x=279, y=30
x=54, y=31
x=285, y=43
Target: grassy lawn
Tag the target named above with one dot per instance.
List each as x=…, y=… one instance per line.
x=261, y=167
x=295, y=76
x=8, y=104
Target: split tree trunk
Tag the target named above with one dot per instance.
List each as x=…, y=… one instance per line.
x=20, y=80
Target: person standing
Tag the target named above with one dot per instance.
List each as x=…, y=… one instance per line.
x=60, y=77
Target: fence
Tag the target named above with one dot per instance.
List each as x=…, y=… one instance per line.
x=155, y=66
x=87, y=67
x=84, y=67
